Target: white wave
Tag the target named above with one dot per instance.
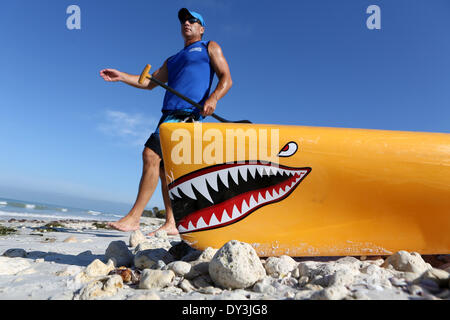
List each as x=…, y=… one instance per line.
x=3, y=203
x=40, y=216
x=30, y=206
x=94, y=213
x=63, y=209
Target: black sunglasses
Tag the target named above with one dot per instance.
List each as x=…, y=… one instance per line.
x=192, y=20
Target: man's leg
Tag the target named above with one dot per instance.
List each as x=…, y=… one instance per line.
x=147, y=186
x=169, y=226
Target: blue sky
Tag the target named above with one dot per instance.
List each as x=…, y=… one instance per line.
x=68, y=134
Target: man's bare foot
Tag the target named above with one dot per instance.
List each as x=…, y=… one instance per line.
x=125, y=224
x=170, y=229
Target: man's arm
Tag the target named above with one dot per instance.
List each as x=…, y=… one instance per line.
x=112, y=75
x=220, y=66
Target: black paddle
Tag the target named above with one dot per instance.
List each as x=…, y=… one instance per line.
x=145, y=75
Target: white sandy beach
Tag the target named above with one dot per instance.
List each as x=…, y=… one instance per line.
x=53, y=264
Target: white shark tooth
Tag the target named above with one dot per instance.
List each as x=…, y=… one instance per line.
x=243, y=172
x=234, y=174
x=182, y=229
x=225, y=217
x=274, y=170
x=212, y=180
x=190, y=226
x=260, y=170
x=252, y=170
x=223, y=174
x=213, y=221
x=201, y=223
x=186, y=188
x=174, y=192
x=201, y=187
x=170, y=195
x=275, y=194
x=253, y=203
x=281, y=192
x=235, y=214
x=260, y=198
x=244, y=207
x=268, y=196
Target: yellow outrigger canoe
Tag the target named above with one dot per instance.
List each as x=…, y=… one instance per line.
x=309, y=191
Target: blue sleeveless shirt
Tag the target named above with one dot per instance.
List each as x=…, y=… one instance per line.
x=191, y=74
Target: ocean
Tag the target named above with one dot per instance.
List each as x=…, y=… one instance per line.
x=29, y=210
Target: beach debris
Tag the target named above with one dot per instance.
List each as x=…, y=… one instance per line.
x=70, y=239
x=155, y=278
x=128, y=275
x=236, y=265
x=15, y=253
x=119, y=252
x=136, y=238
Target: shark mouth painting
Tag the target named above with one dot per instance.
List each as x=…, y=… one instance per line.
x=223, y=194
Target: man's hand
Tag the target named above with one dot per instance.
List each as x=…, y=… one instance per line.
x=111, y=75
x=209, y=106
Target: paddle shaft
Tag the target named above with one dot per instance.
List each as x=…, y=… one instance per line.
x=195, y=104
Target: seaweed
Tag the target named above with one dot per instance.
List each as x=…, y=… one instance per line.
x=4, y=231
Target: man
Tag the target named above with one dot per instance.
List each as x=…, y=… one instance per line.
x=190, y=72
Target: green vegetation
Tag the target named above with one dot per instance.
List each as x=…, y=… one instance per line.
x=4, y=231
x=101, y=225
x=54, y=224
x=154, y=213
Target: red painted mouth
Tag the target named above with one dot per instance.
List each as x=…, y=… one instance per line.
x=221, y=195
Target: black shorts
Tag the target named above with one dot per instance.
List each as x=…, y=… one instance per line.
x=154, y=143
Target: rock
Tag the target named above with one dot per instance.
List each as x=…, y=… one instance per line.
x=181, y=268
x=265, y=286
x=236, y=265
x=210, y=290
x=98, y=268
x=202, y=281
x=136, y=238
x=101, y=288
x=71, y=239
x=119, y=252
x=440, y=277
x=279, y=266
x=407, y=262
x=11, y=266
x=15, y=253
x=186, y=286
x=154, y=244
x=207, y=254
x=335, y=292
x=156, y=278
x=148, y=259
x=328, y=274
